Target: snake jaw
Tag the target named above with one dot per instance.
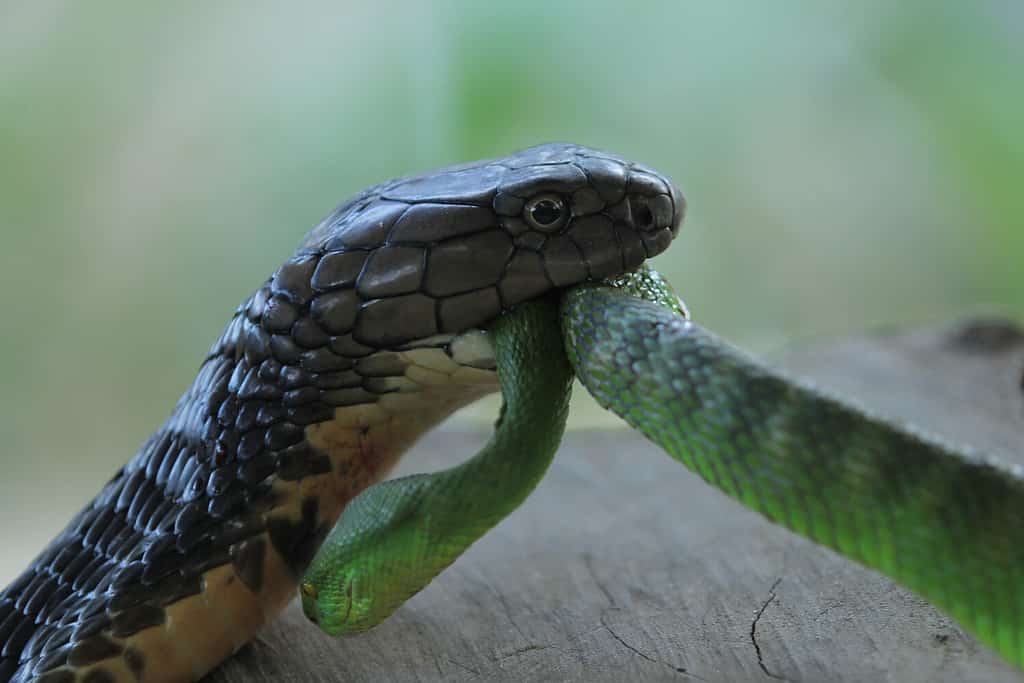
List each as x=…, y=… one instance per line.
x=329, y=610
x=309, y=604
x=349, y=601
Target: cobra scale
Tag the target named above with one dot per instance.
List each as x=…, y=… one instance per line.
x=370, y=334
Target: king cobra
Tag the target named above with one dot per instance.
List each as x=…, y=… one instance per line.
x=369, y=335
x=408, y=302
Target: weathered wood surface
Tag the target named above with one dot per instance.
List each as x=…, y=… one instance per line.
x=623, y=566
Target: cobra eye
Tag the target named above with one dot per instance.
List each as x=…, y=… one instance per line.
x=546, y=213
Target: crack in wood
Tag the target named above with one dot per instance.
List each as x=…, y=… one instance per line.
x=753, y=631
x=641, y=653
x=464, y=667
x=588, y=562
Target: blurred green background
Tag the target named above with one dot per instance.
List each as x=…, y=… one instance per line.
x=848, y=165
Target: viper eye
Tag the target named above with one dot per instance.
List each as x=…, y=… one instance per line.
x=546, y=212
x=309, y=590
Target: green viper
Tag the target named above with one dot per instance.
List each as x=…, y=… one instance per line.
x=942, y=522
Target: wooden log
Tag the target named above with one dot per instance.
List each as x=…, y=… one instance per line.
x=623, y=566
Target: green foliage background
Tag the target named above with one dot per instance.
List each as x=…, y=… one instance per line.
x=848, y=165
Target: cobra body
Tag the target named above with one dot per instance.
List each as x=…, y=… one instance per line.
x=368, y=336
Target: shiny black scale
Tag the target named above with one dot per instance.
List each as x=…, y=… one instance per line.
x=406, y=260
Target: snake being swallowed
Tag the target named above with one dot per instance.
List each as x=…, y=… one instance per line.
x=371, y=334
x=942, y=521
x=418, y=297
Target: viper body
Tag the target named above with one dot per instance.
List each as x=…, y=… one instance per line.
x=941, y=520
x=372, y=333
x=938, y=518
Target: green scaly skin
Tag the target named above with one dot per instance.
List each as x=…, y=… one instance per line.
x=395, y=537
x=943, y=522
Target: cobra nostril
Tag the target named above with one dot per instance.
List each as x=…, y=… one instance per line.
x=643, y=218
x=651, y=213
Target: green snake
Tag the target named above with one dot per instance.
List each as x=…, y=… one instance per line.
x=944, y=523
x=409, y=301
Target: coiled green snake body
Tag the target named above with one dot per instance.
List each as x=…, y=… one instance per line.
x=406, y=303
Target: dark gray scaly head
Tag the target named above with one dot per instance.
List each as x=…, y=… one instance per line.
x=450, y=250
